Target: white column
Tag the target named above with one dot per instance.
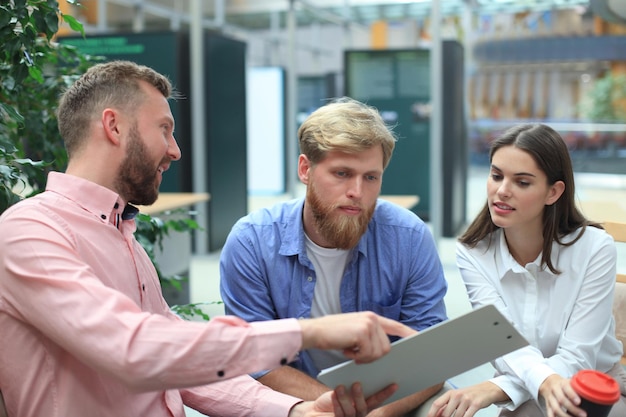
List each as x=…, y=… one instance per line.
x=436, y=172
x=292, y=102
x=198, y=139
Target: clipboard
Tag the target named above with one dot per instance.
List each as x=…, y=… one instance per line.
x=433, y=355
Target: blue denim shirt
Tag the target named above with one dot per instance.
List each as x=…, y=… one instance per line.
x=394, y=271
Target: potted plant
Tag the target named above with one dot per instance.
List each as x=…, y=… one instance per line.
x=605, y=101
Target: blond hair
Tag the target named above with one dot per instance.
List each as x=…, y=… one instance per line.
x=345, y=125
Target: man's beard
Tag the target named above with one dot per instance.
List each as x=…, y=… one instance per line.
x=338, y=230
x=136, y=181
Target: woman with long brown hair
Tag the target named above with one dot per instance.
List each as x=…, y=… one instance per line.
x=549, y=270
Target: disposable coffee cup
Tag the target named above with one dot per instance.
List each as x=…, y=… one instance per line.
x=598, y=392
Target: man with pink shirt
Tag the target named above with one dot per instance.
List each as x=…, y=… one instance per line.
x=85, y=329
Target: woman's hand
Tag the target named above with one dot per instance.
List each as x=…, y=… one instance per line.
x=560, y=397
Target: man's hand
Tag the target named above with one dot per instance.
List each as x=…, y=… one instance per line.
x=362, y=336
x=341, y=403
x=407, y=405
x=467, y=401
x=293, y=382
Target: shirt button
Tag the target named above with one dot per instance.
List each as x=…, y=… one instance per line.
x=283, y=361
x=220, y=373
x=143, y=287
x=309, y=279
x=103, y=216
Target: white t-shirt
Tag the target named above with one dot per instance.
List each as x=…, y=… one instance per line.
x=329, y=265
x=566, y=318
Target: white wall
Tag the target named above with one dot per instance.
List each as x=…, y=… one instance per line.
x=265, y=113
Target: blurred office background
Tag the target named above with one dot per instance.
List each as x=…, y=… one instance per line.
x=251, y=70
x=447, y=74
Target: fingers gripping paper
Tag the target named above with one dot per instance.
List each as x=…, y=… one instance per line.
x=433, y=355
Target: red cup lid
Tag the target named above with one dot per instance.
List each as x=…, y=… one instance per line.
x=596, y=387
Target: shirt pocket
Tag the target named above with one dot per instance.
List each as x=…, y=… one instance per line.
x=391, y=311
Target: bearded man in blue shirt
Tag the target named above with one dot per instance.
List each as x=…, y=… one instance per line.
x=339, y=249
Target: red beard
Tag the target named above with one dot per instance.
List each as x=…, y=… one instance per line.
x=339, y=231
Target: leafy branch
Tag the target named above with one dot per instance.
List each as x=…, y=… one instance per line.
x=150, y=234
x=194, y=311
x=606, y=100
x=34, y=70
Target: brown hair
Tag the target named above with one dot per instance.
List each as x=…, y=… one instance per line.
x=551, y=155
x=110, y=84
x=344, y=125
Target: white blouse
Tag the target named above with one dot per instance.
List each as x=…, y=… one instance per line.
x=566, y=318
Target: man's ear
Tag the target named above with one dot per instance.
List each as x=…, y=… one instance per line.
x=304, y=168
x=111, y=125
x=556, y=191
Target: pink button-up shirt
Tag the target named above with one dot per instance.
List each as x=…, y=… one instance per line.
x=85, y=331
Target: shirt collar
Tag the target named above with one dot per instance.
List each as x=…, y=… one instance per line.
x=510, y=264
x=130, y=212
x=94, y=198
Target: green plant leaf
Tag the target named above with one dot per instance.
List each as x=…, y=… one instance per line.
x=12, y=112
x=74, y=24
x=5, y=16
x=52, y=21
x=35, y=73
x=193, y=311
x=28, y=161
